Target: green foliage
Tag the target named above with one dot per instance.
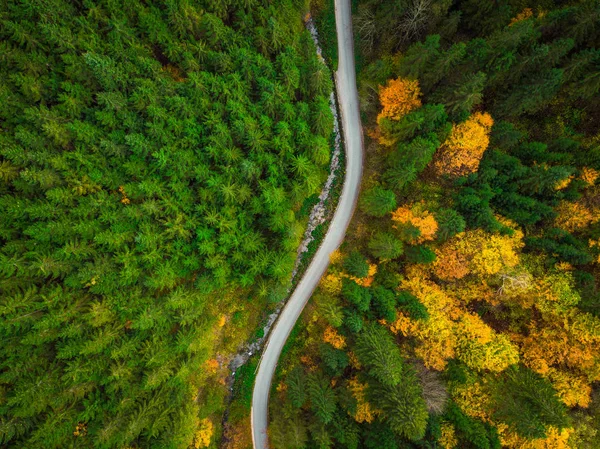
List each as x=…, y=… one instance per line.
x=384, y=303
x=353, y=321
x=472, y=431
x=378, y=435
x=152, y=156
x=322, y=397
x=449, y=223
x=376, y=350
x=356, y=295
x=287, y=429
x=402, y=404
x=410, y=304
x=562, y=245
x=385, y=245
x=528, y=403
x=296, y=382
x=356, y=264
x=377, y=202
x=243, y=385
x=419, y=254
x=334, y=359
x=346, y=431
x=408, y=160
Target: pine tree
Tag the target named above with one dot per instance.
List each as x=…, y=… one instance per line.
x=377, y=202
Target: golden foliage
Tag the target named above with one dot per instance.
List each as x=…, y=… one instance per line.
x=574, y=216
x=332, y=284
x=448, y=438
x=450, y=264
x=589, y=175
x=418, y=217
x=555, y=439
x=573, y=390
x=80, y=430
x=331, y=336
x=398, y=98
x=478, y=252
x=212, y=365
x=204, y=433
x=354, y=362
x=563, y=183
x=480, y=347
x=309, y=362
x=570, y=342
x=124, y=198
x=436, y=336
x=554, y=293
x=523, y=15
x=472, y=399
x=366, y=281
x=335, y=257
x=461, y=152
x=595, y=244
x=364, y=411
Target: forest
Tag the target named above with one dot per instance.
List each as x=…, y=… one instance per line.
x=156, y=157
x=463, y=309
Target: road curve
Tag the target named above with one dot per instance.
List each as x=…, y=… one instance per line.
x=348, y=101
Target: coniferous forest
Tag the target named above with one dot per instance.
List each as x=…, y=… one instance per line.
x=463, y=309
x=154, y=160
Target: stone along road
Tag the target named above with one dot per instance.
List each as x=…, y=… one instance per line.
x=348, y=101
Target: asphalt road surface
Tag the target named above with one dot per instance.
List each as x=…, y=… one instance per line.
x=348, y=101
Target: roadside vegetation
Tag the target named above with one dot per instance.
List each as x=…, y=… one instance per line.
x=463, y=310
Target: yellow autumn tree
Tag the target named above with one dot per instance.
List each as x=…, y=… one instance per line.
x=203, y=434
x=573, y=389
x=331, y=336
x=332, y=284
x=481, y=348
x=461, y=152
x=477, y=252
x=450, y=263
x=436, y=337
x=416, y=215
x=573, y=216
x=448, y=438
x=398, y=97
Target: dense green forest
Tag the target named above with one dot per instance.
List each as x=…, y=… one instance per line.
x=463, y=310
x=154, y=160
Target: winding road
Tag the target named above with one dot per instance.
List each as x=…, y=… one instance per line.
x=348, y=101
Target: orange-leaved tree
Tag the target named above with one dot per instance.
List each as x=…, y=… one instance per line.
x=416, y=217
x=461, y=152
x=398, y=98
